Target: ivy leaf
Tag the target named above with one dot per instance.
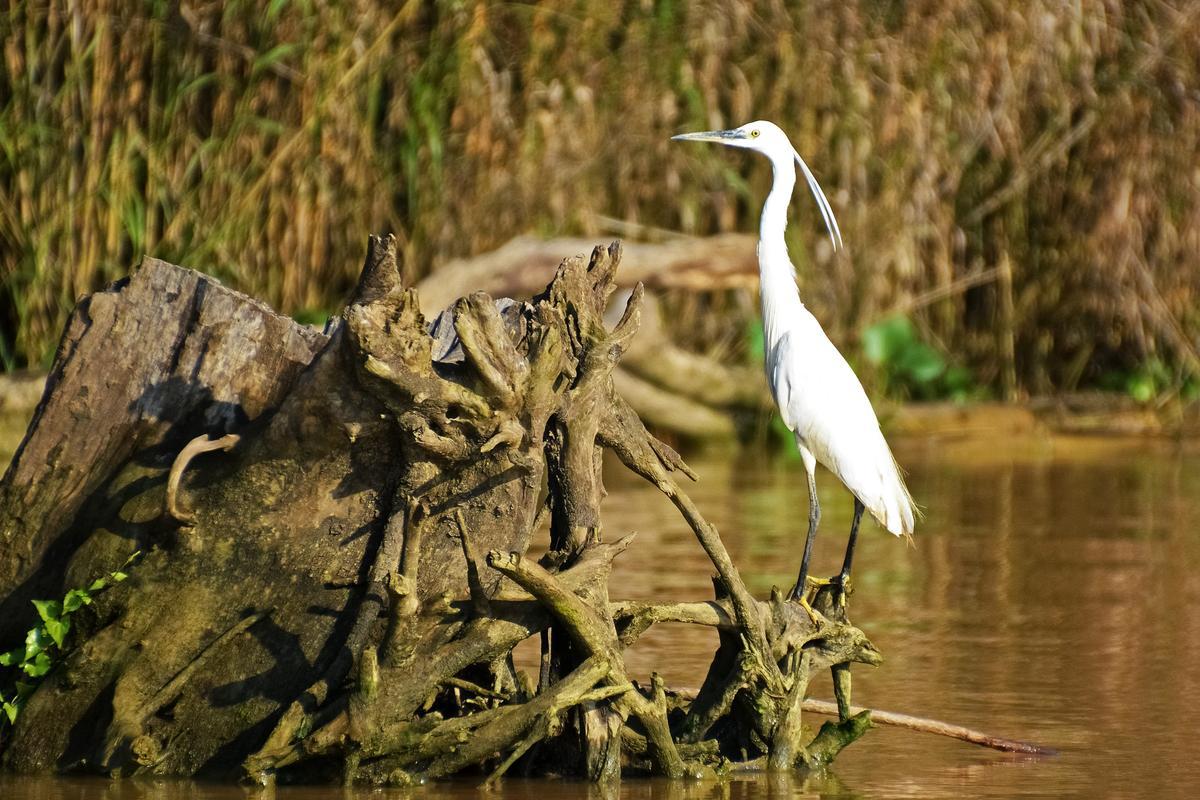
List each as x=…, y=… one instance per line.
x=40, y=665
x=75, y=599
x=34, y=658
x=58, y=629
x=48, y=609
x=36, y=641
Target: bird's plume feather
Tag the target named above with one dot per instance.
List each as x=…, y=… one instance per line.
x=835, y=233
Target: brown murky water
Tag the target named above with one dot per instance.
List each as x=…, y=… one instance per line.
x=1053, y=595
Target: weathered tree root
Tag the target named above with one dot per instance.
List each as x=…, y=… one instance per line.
x=201, y=444
x=542, y=389
x=382, y=634
x=592, y=634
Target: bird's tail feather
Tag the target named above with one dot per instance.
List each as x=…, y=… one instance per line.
x=901, y=510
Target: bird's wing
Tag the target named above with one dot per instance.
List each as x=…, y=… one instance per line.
x=790, y=372
x=822, y=401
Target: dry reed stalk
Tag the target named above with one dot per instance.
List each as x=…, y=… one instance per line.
x=259, y=145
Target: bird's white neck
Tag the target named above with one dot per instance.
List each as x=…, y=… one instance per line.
x=780, y=297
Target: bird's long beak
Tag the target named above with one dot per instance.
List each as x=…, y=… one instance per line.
x=720, y=137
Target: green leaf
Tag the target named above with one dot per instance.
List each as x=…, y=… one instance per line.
x=874, y=345
x=1141, y=388
x=58, y=629
x=36, y=641
x=119, y=576
x=12, y=657
x=922, y=364
x=885, y=340
x=48, y=609
x=11, y=710
x=75, y=599
x=97, y=585
x=40, y=665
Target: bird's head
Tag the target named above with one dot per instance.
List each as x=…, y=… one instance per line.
x=770, y=140
x=765, y=137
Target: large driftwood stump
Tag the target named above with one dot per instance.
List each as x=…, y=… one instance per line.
x=333, y=528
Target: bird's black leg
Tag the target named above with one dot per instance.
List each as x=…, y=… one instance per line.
x=814, y=517
x=843, y=579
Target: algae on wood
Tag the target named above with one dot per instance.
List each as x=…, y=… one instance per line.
x=335, y=587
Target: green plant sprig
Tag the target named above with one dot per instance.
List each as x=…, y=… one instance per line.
x=45, y=642
x=911, y=368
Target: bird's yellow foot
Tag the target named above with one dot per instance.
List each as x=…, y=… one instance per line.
x=819, y=582
x=813, y=614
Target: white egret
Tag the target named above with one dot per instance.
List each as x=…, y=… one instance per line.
x=818, y=395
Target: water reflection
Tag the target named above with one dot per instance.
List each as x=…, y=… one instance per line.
x=758, y=787
x=1051, y=597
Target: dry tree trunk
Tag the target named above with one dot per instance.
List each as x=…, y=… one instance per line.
x=336, y=584
x=522, y=266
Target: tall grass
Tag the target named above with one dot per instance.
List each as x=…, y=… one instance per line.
x=1024, y=174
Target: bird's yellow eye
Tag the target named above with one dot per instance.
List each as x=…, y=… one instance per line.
x=754, y=134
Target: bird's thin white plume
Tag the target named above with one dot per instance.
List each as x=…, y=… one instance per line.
x=835, y=233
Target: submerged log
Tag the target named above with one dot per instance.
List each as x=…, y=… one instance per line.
x=333, y=528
